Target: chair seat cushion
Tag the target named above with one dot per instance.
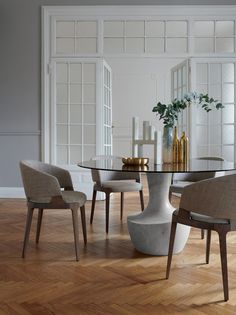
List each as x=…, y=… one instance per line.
x=177, y=187
x=205, y=218
x=119, y=186
x=70, y=196
x=208, y=219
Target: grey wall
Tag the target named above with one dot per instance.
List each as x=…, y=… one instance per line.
x=20, y=77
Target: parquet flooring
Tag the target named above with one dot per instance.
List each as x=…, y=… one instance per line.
x=111, y=276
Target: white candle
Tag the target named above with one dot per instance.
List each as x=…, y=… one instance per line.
x=146, y=130
x=158, y=147
x=135, y=128
x=151, y=132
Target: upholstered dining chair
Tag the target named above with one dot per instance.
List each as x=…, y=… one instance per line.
x=181, y=180
x=50, y=187
x=114, y=182
x=209, y=204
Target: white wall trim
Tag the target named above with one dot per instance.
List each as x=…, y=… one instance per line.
x=12, y=192
x=141, y=11
x=20, y=133
x=45, y=79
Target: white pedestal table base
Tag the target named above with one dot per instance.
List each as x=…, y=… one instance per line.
x=150, y=230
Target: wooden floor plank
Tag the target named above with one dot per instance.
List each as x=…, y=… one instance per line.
x=111, y=276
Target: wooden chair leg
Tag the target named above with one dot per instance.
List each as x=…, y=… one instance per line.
x=93, y=206
x=208, y=245
x=171, y=247
x=121, y=205
x=202, y=234
x=224, y=268
x=27, y=230
x=40, y=216
x=141, y=199
x=76, y=231
x=83, y=220
x=107, y=211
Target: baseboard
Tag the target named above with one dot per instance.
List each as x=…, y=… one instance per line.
x=12, y=192
x=18, y=192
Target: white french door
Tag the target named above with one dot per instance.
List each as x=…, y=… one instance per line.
x=81, y=114
x=73, y=114
x=213, y=133
x=81, y=111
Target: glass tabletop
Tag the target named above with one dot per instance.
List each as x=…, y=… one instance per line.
x=194, y=165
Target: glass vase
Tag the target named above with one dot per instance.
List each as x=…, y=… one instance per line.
x=167, y=145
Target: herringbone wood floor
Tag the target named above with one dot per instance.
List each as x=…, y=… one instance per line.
x=111, y=277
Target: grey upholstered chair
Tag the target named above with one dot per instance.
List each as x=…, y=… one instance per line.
x=209, y=204
x=181, y=180
x=113, y=182
x=50, y=187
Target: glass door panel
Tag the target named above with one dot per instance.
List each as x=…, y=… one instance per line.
x=215, y=77
x=107, y=109
x=179, y=87
x=75, y=112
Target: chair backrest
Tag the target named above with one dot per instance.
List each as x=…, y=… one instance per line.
x=102, y=176
x=43, y=181
x=195, y=177
x=214, y=197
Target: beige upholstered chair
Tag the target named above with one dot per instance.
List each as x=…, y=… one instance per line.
x=181, y=180
x=211, y=205
x=113, y=182
x=43, y=184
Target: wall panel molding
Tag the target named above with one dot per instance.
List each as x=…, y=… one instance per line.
x=20, y=133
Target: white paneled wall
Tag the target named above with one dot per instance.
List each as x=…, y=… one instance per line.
x=137, y=85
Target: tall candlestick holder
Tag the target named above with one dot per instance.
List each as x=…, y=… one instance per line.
x=150, y=137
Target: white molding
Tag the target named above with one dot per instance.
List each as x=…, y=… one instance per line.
x=12, y=192
x=141, y=11
x=45, y=81
x=20, y=133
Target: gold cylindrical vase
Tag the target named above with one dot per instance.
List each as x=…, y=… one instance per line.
x=184, y=149
x=176, y=146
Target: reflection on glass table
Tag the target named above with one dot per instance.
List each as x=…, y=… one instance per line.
x=150, y=230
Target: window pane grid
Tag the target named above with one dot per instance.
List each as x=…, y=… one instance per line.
x=214, y=36
x=145, y=36
x=76, y=37
x=217, y=126
x=75, y=129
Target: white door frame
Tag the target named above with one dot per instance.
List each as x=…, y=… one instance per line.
x=99, y=13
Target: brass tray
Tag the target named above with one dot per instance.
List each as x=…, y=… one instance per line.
x=135, y=161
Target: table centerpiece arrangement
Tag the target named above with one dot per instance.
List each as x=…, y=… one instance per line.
x=169, y=114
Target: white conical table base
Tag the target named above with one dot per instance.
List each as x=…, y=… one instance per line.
x=150, y=230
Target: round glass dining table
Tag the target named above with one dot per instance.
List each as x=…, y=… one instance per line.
x=150, y=229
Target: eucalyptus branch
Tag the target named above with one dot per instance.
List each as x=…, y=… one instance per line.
x=169, y=112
